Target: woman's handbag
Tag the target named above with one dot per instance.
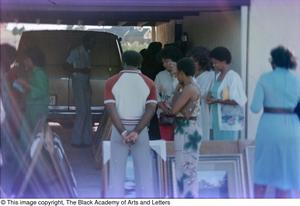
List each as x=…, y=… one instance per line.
x=165, y=119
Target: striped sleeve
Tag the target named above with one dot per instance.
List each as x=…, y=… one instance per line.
x=152, y=97
x=108, y=94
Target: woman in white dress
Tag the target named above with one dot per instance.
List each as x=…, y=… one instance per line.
x=204, y=76
x=227, y=98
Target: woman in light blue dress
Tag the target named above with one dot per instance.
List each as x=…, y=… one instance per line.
x=277, y=157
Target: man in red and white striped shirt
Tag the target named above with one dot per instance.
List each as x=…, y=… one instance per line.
x=130, y=99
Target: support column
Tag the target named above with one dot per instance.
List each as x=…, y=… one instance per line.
x=244, y=59
x=178, y=30
x=153, y=33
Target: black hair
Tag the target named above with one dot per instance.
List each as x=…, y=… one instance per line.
x=144, y=52
x=187, y=66
x=154, y=47
x=201, y=56
x=282, y=57
x=132, y=58
x=7, y=55
x=221, y=54
x=36, y=55
x=171, y=52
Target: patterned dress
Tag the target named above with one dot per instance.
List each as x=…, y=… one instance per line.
x=217, y=133
x=188, y=136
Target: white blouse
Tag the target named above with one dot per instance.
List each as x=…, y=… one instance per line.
x=232, y=117
x=165, y=84
x=204, y=82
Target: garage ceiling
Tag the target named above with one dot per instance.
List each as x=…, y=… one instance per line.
x=109, y=12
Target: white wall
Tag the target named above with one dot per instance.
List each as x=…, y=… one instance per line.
x=221, y=28
x=212, y=29
x=272, y=22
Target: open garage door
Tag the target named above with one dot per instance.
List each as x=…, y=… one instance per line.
x=208, y=23
x=112, y=12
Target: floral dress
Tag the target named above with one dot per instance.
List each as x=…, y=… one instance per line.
x=219, y=134
x=188, y=136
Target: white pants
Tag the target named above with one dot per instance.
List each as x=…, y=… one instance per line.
x=141, y=154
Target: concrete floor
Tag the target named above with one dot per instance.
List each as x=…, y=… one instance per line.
x=88, y=176
x=83, y=164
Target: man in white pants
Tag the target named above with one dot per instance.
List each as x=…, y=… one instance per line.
x=130, y=99
x=79, y=64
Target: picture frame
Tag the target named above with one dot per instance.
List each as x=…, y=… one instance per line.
x=159, y=157
x=45, y=171
x=219, y=176
x=250, y=158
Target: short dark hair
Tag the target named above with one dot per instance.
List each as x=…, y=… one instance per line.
x=132, y=58
x=171, y=52
x=7, y=55
x=154, y=47
x=36, y=55
x=187, y=66
x=201, y=56
x=282, y=57
x=221, y=54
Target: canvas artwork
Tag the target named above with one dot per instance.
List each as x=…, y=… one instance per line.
x=219, y=176
x=250, y=156
x=129, y=185
x=213, y=184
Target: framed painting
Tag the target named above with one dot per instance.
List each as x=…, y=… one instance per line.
x=249, y=157
x=158, y=161
x=219, y=176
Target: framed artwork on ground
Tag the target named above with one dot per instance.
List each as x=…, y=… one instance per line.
x=158, y=153
x=250, y=157
x=45, y=171
x=219, y=176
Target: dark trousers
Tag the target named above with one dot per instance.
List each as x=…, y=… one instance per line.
x=154, y=133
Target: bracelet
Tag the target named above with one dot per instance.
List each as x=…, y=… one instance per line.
x=124, y=132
